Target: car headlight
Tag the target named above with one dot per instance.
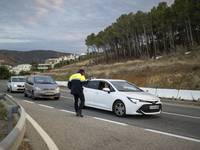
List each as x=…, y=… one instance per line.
x=15, y=85
x=57, y=89
x=37, y=88
x=133, y=100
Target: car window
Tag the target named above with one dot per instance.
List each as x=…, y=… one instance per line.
x=44, y=80
x=18, y=79
x=102, y=85
x=125, y=86
x=93, y=84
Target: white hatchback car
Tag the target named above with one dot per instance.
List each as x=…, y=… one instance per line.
x=16, y=83
x=121, y=97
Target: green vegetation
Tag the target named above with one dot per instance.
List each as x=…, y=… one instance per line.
x=34, y=66
x=148, y=34
x=22, y=72
x=5, y=73
x=3, y=113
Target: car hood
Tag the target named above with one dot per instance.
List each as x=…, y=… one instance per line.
x=47, y=86
x=18, y=83
x=141, y=96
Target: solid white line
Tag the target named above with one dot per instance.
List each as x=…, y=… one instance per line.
x=67, y=111
x=173, y=135
x=50, y=143
x=45, y=106
x=27, y=101
x=110, y=121
x=181, y=115
x=67, y=97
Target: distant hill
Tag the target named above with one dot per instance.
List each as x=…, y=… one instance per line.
x=14, y=58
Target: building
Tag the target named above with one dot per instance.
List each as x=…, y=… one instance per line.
x=52, y=62
x=24, y=67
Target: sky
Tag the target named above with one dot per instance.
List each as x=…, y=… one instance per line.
x=61, y=25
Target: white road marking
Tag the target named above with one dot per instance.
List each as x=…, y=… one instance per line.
x=110, y=121
x=173, y=135
x=50, y=143
x=67, y=111
x=27, y=101
x=45, y=106
x=67, y=97
x=181, y=115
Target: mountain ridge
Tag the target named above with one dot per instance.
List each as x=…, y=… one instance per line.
x=14, y=57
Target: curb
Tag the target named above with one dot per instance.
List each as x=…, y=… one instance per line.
x=15, y=137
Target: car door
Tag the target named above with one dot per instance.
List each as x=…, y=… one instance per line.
x=103, y=98
x=29, y=85
x=9, y=83
x=89, y=92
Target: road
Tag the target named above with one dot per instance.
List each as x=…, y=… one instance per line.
x=178, y=127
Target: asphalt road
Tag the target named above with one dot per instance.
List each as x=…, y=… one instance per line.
x=178, y=127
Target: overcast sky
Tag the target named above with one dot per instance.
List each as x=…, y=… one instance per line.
x=61, y=25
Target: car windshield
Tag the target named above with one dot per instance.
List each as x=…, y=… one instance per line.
x=125, y=86
x=44, y=80
x=18, y=79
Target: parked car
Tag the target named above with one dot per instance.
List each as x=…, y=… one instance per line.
x=121, y=97
x=38, y=86
x=16, y=84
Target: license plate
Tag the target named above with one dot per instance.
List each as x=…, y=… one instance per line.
x=21, y=88
x=49, y=93
x=154, y=107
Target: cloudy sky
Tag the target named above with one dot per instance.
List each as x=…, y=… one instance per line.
x=61, y=25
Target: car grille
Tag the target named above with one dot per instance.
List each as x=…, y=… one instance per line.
x=46, y=89
x=145, y=108
x=20, y=85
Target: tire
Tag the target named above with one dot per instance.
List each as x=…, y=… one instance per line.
x=11, y=90
x=25, y=95
x=7, y=89
x=56, y=98
x=119, y=109
x=33, y=96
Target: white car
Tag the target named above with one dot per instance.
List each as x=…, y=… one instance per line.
x=16, y=83
x=121, y=97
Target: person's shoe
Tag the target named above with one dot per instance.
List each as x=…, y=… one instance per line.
x=77, y=114
x=80, y=113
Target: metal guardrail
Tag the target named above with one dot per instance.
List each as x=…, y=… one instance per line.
x=15, y=136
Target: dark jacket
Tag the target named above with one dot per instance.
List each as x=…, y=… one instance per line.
x=76, y=82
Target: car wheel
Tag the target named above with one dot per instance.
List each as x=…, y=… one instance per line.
x=119, y=109
x=33, y=96
x=7, y=89
x=56, y=98
x=11, y=90
x=25, y=95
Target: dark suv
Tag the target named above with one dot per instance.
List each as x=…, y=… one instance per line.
x=41, y=87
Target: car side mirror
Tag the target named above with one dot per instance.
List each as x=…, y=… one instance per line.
x=106, y=90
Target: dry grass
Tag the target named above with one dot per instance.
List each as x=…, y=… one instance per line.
x=106, y=70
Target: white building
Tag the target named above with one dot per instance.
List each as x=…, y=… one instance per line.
x=25, y=67
x=52, y=62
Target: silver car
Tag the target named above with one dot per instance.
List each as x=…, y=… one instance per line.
x=16, y=84
x=41, y=87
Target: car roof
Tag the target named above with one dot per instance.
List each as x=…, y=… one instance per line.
x=18, y=77
x=40, y=76
x=108, y=80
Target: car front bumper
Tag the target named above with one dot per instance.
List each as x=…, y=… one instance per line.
x=47, y=94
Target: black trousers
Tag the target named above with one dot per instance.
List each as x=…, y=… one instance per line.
x=77, y=105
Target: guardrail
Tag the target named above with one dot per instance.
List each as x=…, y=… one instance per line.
x=14, y=138
x=164, y=93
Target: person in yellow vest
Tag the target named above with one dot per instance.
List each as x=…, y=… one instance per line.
x=75, y=83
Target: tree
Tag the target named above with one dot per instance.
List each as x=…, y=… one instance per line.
x=4, y=72
x=34, y=66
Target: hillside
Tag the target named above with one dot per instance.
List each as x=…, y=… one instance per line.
x=173, y=71
x=14, y=58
